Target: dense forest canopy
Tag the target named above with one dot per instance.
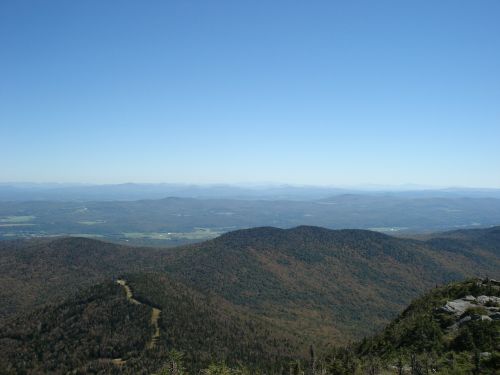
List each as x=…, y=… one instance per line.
x=312, y=279
x=454, y=329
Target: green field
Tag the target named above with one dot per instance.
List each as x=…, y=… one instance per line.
x=16, y=219
x=92, y=222
x=196, y=234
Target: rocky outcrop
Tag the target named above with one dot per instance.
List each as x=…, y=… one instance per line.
x=483, y=300
x=458, y=306
x=471, y=308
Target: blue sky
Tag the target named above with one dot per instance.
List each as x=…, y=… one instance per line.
x=309, y=92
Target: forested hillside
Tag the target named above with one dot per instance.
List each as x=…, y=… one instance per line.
x=327, y=285
x=335, y=284
x=451, y=330
x=100, y=330
x=89, y=331
x=454, y=329
x=35, y=272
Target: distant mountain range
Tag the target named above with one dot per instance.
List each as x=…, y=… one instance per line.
x=137, y=191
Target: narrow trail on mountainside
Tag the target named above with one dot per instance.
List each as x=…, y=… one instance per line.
x=155, y=313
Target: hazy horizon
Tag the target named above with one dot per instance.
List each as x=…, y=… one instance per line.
x=256, y=185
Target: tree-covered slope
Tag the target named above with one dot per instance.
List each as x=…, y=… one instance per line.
x=328, y=285
x=88, y=331
x=454, y=329
x=451, y=330
x=207, y=328
x=38, y=271
x=331, y=284
x=101, y=330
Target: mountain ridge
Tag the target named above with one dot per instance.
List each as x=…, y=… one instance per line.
x=312, y=279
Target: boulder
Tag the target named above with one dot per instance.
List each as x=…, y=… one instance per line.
x=484, y=299
x=457, y=307
x=464, y=320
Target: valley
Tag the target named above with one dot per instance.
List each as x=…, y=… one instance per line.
x=175, y=221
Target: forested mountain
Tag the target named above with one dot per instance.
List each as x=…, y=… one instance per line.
x=87, y=331
x=488, y=239
x=35, y=272
x=108, y=329
x=327, y=285
x=337, y=284
x=101, y=330
x=451, y=330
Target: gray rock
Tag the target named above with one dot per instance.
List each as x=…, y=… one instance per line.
x=457, y=307
x=464, y=320
x=484, y=299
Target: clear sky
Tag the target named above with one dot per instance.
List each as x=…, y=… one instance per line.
x=305, y=92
